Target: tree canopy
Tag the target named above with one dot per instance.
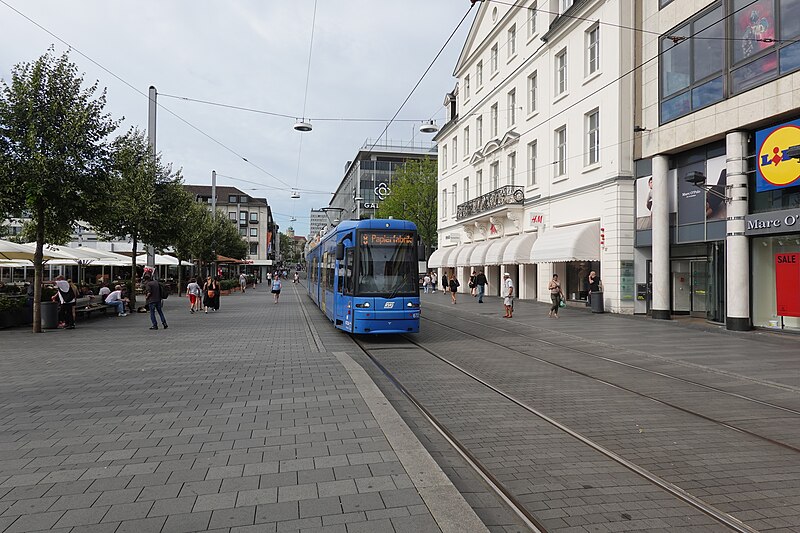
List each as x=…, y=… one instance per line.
x=414, y=197
x=54, y=150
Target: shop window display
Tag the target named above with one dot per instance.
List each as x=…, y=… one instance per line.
x=764, y=296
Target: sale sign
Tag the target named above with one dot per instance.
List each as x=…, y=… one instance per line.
x=787, y=284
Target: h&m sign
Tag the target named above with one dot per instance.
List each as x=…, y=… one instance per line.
x=537, y=219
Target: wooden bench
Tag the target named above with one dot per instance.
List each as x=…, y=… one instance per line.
x=85, y=306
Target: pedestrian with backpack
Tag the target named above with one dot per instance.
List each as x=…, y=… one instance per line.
x=454, y=285
x=154, y=295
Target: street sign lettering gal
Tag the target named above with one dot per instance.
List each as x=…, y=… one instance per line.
x=774, y=169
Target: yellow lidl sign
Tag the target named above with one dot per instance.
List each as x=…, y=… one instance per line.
x=775, y=170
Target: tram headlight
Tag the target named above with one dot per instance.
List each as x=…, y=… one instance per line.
x=412, y=304
x=365, y=304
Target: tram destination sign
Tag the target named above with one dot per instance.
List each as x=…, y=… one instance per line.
x=373, y=238
x=773, y=222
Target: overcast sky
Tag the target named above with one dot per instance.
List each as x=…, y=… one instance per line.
x=367, y=56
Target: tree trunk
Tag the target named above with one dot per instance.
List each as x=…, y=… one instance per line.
x=132, y=295
x=37, y=270
x=180, y=277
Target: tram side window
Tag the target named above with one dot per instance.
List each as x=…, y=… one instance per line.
x=331, y=270
x=346, y=279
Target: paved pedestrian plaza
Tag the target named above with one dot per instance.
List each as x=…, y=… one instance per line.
x=234, y=421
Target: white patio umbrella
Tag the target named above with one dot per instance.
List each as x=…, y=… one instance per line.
x=161, y=260
x=13, y=251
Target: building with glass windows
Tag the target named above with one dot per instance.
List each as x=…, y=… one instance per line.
x=254, y=219
x=536, y=159
x=717, y=187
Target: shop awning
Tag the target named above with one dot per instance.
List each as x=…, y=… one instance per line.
x=439, y=257
x=494, y=255
x=478, y=255
x=571, y=243
x=518, y=251
x=464, y=253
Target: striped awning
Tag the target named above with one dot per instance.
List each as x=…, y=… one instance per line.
x=494, y=255
x=580, y=242
x=439, y=258
x=518, y=251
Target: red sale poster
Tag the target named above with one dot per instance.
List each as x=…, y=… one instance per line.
x=787, y=284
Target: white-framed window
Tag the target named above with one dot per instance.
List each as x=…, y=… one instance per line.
x=243, y=217
x=444, y=203
x=512, y=107
x=511, y=171
x=479, y=74
x=253, y=216
x=493, y=59
x=466, y=87
x=493, y=116
x=233, y=199
x=564, y=5
x=466, y=189
x=593, y=137
x=512, y=41
x=254, y=232
x=455, y=151
x=533, y=148
x=494, y=176
x=479, y=132
x=455, y=199
x=561, y=151
x=561, y=71
x=593, y=49
x=232, y=215
x=533, y=89
x=532, y=20
x=444, y=157
x=479, y=183
x=466, y=141
x=243, y=232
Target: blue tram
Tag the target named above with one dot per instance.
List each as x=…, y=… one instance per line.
x=363, y=275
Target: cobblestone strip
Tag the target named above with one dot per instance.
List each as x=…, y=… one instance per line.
x=446, y=504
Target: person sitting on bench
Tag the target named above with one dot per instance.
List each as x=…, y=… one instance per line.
x=115, y=299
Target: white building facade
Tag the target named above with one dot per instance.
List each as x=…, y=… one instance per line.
x=718, y=193
x=536, y=160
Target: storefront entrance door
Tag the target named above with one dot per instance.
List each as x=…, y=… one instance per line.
x=699, y=270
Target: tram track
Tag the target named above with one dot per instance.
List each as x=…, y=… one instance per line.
x=725, y=519
x=638, y=393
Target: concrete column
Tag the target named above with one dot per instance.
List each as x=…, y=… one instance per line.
x=737, y=250
x=660, y=219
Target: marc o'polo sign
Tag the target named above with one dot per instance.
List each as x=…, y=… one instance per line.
x=786, y=221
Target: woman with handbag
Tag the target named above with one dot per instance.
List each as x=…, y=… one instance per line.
x=556, y=296
x=210, y=294
x=473, y=285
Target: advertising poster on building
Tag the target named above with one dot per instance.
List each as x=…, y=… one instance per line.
x=716, y=174
x=645, y=199
x=774, y=170
x=691, y=198
x=787, y=284
x=754, y=23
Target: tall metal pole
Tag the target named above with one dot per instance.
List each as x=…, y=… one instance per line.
x=214, y=217
x=151, y=135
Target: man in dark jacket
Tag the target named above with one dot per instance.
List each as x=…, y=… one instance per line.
x=481, y=282
x=152, y=291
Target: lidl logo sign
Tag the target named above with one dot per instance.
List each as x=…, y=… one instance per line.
x=775, y=170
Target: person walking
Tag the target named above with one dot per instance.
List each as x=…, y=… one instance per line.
x=153, y=300
x=210, y=291
x=426, y=283
x=454, y=285
x=67, y=298
x=296, y=278
x=555, y=296
x=193, y=290
x=434, y=281
x=481, y=282
x=508, y=295
x=243, y=282
x=473, y=285
x=276, y=288
x=445, y=285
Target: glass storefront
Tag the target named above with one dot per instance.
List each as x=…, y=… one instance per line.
x=764, y=288
x=577, y=276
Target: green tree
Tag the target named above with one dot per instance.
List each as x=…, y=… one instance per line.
x=148, y=198
x=54, y=151
x=414, y=197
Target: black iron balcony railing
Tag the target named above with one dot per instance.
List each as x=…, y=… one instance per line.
x=509, y=194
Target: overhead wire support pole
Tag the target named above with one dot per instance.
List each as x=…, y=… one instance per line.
x=151, y=137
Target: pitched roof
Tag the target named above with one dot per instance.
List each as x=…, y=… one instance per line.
x=223, y=192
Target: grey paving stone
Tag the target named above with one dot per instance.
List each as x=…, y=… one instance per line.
x=320, y=507
x=370, y=527
x=82, y=517
x=297, y=492
x=257, y=497
x=34, y=522
x=209, y=502
x=172, y=506
x=240, y=516
x=187, y=523
x=361, y=502
x=127, y=511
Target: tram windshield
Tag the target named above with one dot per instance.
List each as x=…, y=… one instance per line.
x=387, y=264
